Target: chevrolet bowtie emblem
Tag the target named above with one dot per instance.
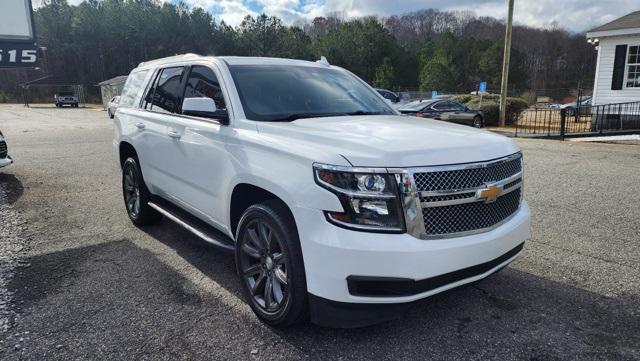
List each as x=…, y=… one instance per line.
x=489, y=194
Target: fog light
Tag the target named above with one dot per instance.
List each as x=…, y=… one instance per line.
x=364, y=206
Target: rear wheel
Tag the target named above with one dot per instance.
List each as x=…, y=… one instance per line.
x=110, y=115
x=269, y=262
x=136, y=195
x=477, y=122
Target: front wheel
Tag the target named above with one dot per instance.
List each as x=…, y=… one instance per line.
x=477, y=122
x=136, y=195
x=270, y=265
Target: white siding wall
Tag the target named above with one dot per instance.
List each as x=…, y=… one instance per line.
x=602, y=92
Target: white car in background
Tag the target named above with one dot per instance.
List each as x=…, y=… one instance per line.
x=5, y=158
x=112, y=106
x=334, y=205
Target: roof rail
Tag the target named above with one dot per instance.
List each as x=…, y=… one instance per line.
x=323, y=61
x=170, y=58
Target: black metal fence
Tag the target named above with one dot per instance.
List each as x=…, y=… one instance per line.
x=579, y=121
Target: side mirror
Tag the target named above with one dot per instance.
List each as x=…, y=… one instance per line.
x=205, y=108
x=466, y=109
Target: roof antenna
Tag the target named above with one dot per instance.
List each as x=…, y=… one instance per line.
x=323, y=61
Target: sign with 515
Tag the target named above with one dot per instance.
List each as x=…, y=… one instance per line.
x=18, y=55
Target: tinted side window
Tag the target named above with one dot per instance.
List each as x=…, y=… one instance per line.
x=441, y=106
x=132, y=88
x=390, y=96
x=456, y=106
x=163, y=96
x=203, y=83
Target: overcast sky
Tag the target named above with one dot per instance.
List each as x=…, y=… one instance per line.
x=575, y=15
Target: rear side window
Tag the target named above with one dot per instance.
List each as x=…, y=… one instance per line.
x=163, y=95
x=441, y=106
x=456, y=106
x=132, y=88
x=203, y=83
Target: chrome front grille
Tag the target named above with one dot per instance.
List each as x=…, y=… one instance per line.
x=464, y=199
x=469, y=217
x=465, y=178
x=3, y=149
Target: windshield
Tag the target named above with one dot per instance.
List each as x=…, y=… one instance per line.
x=287, y=93
x=417, y=105
x=66, y=94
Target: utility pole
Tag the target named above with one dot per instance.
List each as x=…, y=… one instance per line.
x=505, y=66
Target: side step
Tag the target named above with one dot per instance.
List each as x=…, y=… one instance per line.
x=194, y=225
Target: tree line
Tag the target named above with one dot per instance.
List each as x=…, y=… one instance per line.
x=448, y=51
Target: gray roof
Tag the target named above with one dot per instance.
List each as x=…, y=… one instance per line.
x=112, y=81
x=628, y=21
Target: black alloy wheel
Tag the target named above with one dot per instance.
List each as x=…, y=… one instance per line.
x=269, y=262
x=136, y=195
x=477, y=122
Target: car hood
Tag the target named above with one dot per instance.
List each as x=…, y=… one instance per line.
x=393, y=140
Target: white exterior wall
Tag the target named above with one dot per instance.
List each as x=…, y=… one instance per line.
x=602, y=93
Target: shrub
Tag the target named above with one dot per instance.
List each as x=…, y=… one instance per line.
x=491, y=106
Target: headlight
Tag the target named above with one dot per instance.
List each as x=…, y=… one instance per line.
x=369, y=198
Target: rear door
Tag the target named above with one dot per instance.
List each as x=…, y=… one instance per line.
x=156, y=118
x=459, y=113
x=440, y=110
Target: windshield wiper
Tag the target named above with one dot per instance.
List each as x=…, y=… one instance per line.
x=363, y=112
x=292, y=117
x=295, y=116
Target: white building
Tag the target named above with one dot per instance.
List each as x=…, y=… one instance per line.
x=618, y=67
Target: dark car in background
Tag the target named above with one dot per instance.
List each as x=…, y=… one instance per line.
x=444, y=109
x=66, y=98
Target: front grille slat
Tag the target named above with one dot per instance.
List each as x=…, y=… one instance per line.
x=474, y=215
x=470, y=216
x=467, y=178
x=3, y=149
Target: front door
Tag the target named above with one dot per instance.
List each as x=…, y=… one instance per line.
x=199, y=163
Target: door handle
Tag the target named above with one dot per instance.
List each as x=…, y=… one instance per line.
x=140, y=125
x=173, y=134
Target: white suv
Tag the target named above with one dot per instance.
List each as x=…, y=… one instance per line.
x=335, y=206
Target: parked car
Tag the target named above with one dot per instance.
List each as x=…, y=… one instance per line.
x=113, y=105
x=443, y=109
x=5, y=158
x=388, y=94
x=66, y=98
x=333, y=204
x=585, y=106
x=545, y=105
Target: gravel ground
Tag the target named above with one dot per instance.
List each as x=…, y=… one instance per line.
x=78, y=281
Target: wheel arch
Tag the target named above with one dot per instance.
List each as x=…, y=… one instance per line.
x=126, y=150
x=244, y=195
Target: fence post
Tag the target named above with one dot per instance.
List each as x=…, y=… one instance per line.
x=562, y=122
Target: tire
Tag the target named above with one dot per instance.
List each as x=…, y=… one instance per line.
x=268, y=253
x=477, y=122
x=110, y=115
x=136, y=195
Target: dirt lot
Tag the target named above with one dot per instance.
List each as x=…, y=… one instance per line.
x=78, y=281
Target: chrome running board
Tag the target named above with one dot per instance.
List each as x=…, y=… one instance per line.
x=195, y=226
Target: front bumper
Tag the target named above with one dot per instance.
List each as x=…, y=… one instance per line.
x=5, y=161
x=332, y=255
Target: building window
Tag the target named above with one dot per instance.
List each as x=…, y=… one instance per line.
x=633, y=67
